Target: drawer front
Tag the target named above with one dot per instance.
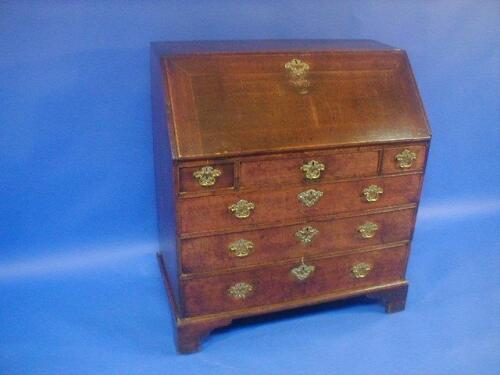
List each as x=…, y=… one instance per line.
x=402, y=159
x=294, y=280
x=303, y=169
x=206, y=177
x=218, y=213
x=249, y=248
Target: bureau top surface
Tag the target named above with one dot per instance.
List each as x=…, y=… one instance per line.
x=252, y=97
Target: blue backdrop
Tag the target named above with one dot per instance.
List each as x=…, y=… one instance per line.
x=80, y=292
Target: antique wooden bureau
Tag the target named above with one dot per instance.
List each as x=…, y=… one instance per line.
x=288, y=173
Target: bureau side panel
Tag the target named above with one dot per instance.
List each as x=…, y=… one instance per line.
x=164, y=174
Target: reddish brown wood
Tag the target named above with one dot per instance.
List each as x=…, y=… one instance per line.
x=188, y=183
x=198, y=215
x=190, y=333
x=393, y=299
x=217, y=113
x=275, y=172
x=390, y=165
x=210, y=47
x=165, y=175
x=275, y=283
x=230, y=105
x=204, y=254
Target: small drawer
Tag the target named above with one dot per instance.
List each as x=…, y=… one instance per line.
x=242, y=249
x=240, y=209
x=206, y=177
x=297, y=279
x=402, y=159
x=299, y=169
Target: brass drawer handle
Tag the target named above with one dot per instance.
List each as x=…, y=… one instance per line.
x=306, y=234
x=372, y=193
x=297, y=75
x=368, y=229
x=312, y=169
x=240, y=290
x=361, y=270
x=241, y=248
x=303, y=271
x=406, y=158
x=207, y=176
x=310, y=197
x=242, y=209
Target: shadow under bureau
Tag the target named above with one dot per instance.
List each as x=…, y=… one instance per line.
x=288, y=173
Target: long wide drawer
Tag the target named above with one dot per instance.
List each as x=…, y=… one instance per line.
x=237, y=210
x=293, y=280
x=203, y=254
x=324, y=167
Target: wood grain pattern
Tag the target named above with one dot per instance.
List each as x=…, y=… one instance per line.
x=390, y=165
x=187, y=183
x=275, y=284
x=204, y=254
x=230, y=105
x=239, y=104
x=190, y=331
x=276, y=172
x=206, y=214
x=165, y=175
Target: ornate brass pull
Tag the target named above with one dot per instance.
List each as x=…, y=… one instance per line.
x=240, y=290
x=303, y=271
x=313, y=169
x=297, y=75
x=310, y=197
x=241, y=248
x=306, y=234
x=405, y=159
x=372, y=193
x=242, y=209
x=361, y=270
x=368, y=229
x=207, y=176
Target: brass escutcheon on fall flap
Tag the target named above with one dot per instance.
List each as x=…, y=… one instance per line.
x=297, y=71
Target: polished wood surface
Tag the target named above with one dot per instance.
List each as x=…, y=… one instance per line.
x=230, y=106
x=207, y=214
x=206, y=254
x=165, y=177
x=390, y=165
x=188, y=183
x=283, y=171
x=210, y=47
x=240, y=103
x=191, y=330
x=275, y=284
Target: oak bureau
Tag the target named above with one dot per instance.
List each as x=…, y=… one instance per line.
x=288, y=173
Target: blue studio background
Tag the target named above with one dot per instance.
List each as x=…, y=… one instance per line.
x=80, y=290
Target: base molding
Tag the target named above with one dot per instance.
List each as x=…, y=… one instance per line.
x=190, y=331
x=394, y=299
